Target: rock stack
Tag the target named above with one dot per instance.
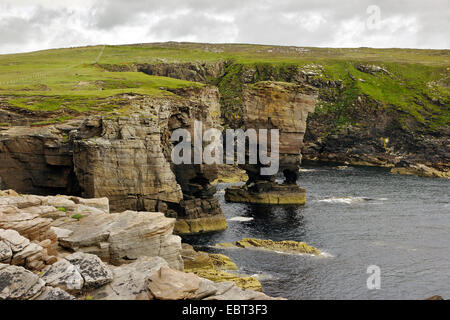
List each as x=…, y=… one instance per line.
x=283, y=106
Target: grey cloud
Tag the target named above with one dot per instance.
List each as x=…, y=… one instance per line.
x=251, y=21
x=197, y=24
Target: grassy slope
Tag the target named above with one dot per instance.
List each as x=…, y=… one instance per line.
x=68, y=78
x=417, y=86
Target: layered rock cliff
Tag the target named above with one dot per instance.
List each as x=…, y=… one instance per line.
x=285, y=107
x=104, y=130
x=123, y=156
x=391, y=113
x=367, y=114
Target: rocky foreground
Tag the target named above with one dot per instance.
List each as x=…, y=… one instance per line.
x=65, y=248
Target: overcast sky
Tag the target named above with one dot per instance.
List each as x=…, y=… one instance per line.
x=27, y=25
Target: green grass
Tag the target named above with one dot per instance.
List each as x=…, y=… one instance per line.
x=77, y=216
x=51, y=80
x=67, y=79
x=62, y=209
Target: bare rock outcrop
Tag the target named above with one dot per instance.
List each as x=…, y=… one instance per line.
x=168, y=284
x=17, y=283
x=94, y=272
x=36, y=160
x=125, y=156
x=123, y=237
x=83, y=225
x=18, y=250
x=126, y=163
x=130, y=280
x=65, y=276
x=191, y=71
x=51, y=293
x=283, y=106
x=25, y=215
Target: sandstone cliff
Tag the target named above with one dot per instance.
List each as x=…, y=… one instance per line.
x=124, y=156
x=375, y=107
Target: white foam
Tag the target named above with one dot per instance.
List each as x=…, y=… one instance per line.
x=306, y=170
x=345, y=200
x=241, y=219
x=326, y=255
x=262, y=276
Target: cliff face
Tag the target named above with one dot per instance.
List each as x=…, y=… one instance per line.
x=104, y=129
x=365, y=115
x=190, y=71
x=124, y=156
x=391, y=113
x=37, y=160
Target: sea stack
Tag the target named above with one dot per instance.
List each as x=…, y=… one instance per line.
x=283, y=106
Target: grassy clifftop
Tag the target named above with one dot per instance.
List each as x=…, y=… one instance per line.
x=412, y=83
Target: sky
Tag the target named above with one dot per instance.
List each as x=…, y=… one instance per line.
x=27, y=25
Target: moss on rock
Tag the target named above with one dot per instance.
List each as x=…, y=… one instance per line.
x=278, y=196
x=200, y=225
x=212, y=265
x=230, y=174
x=221, y=261
x=287, y=246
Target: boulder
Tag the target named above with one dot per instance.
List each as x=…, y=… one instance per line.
x=64, y=275
x=121, y=237
x=29, y=250
x=229, y=291
x=129, y=281
x=50, y=293
x=17, y=283
x=169, y=284
x=5, y=252
x=94, y=272
x=15, y=241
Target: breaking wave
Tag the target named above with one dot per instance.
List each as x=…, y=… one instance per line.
x=241, y=219
x=350, y=200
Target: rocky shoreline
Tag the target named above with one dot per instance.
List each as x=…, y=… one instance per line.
x=66, y=248
x=106, y=144
x=125, y=157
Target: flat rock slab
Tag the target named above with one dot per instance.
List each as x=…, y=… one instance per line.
x=129, y=280
x=169, y=284
x=277, y=196
x=121, y=237
x=51, y=293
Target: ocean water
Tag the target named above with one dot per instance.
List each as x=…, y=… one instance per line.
x=358, y=216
